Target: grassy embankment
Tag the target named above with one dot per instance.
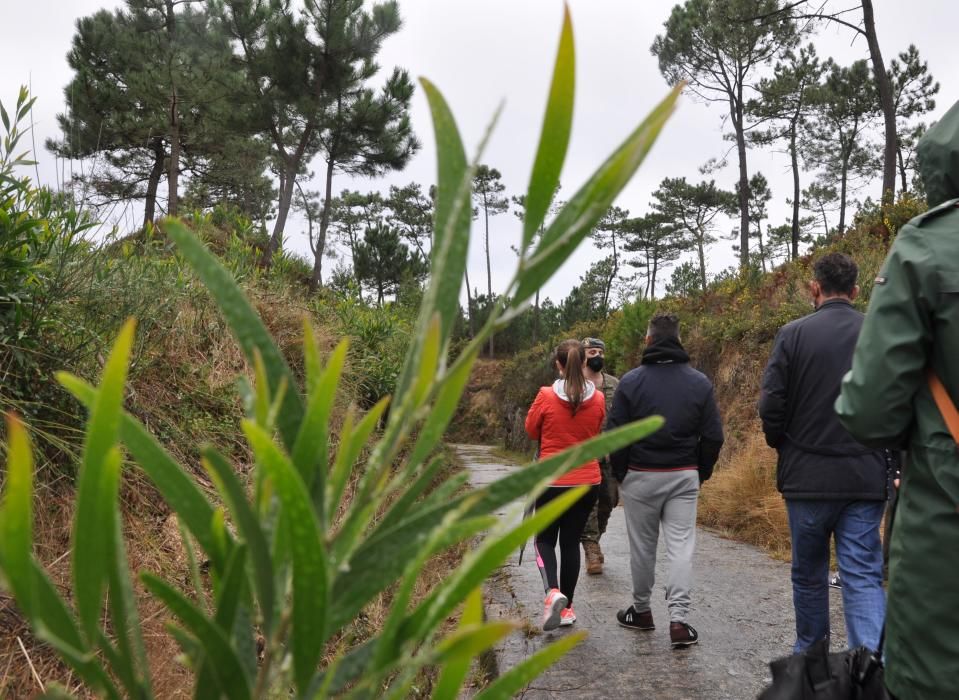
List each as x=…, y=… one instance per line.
x=183, y=387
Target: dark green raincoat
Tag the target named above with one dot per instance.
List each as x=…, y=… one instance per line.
x=912, y=324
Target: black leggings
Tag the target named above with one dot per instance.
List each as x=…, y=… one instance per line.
x=568, y=528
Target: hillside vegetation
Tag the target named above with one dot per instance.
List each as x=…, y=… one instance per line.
x=728, y=331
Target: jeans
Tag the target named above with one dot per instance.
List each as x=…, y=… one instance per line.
x=855, y=526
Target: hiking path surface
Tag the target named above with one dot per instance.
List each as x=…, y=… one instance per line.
x=741, y=607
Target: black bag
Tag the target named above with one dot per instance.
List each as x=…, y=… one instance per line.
x=816, y=674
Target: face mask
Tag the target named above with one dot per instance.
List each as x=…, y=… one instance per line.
x=595, y=363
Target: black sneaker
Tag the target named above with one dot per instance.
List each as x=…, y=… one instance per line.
x=631, y=619
x=835, y=581
x=682, y=635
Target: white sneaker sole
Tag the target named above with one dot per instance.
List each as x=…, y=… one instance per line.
x=552, y=621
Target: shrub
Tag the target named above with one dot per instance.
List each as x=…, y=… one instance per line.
x=286, y=564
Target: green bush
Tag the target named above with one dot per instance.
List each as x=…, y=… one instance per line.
x=302, y=553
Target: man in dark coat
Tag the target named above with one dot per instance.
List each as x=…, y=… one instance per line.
x=661, y=474
x=912, y=326
x=833, y=485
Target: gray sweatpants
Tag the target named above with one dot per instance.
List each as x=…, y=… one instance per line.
x=667, y=499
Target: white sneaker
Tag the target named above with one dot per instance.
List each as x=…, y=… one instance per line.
x=553, y=607
x=567, y=617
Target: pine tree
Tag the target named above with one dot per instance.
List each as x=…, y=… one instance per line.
x=693, y=209
x=488, y=195
x=846, y=106
x=385, y=263
x=717, y=47
x=150, y=90
x=786, y=100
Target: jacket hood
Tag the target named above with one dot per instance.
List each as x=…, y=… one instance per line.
x=938, y=153
x=665, y=352
x=559, y=388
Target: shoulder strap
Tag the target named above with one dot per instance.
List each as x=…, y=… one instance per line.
x=946, y=407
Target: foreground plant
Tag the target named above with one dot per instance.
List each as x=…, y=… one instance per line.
x=291, y=556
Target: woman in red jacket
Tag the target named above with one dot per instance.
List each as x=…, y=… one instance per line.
x=564, y=414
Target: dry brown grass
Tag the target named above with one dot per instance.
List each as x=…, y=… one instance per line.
x=741, y=500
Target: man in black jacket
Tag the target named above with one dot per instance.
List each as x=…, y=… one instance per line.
x=833, y=485
x=661, y=474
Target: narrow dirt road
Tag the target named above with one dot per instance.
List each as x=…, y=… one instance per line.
x=742, y=608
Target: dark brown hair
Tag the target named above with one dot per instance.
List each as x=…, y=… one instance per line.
x=569, y=354
x=836, y=274
x=663, y=325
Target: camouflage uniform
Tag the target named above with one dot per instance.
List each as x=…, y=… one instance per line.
x=609, y=489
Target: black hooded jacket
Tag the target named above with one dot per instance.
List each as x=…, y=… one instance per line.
x=665, y=385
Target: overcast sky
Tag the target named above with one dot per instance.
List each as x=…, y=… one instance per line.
x=481, y=53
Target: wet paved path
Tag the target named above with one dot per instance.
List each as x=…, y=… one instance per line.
x=742, y=609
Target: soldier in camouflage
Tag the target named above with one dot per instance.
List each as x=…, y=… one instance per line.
x=595, y=351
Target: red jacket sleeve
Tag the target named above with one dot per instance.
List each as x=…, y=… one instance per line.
x=534, y=417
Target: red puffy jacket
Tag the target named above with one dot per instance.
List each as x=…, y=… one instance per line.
x=551, y=421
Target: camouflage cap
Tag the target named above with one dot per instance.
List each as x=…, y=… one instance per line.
x=594, y=343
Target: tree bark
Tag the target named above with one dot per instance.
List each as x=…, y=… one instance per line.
x=316, y=280
x=842, y=194
x=469, y=304
x=287, y=184
x=489, y=274
x=153, y=183
x=796, y=192
x=702, y=263
x=173, y=172
x=902, y=166
x=536, y=319
x=887, y=103
x=736, y=111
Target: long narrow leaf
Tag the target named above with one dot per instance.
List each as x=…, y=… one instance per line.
x=444, y=408
x=131, y=663
x=16, y=517
x=310, y=573
x=176, y=486
x=479, y=563
x=231, y=490
x=455, y=668
x=226, y=666
x=591, y=202
x=370, y=571
x=451, y=232
x=515, y=679
x=413, y=491
x=93, y=531
x=554, y=137
x=310, y=451
x=247, y=327
x=352, y=442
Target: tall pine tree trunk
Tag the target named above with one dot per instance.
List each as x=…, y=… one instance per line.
x=153, y=182
x=736, y=112
x=652, y=282
x=843, y=184
x=794, y=156
x=287, y=184
x=536, y=319
x=886, y=102
x=702, y=262
x=316, y=281
x=902, y=167
x=489, y=274
x=173, y=172
x=469, y=304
